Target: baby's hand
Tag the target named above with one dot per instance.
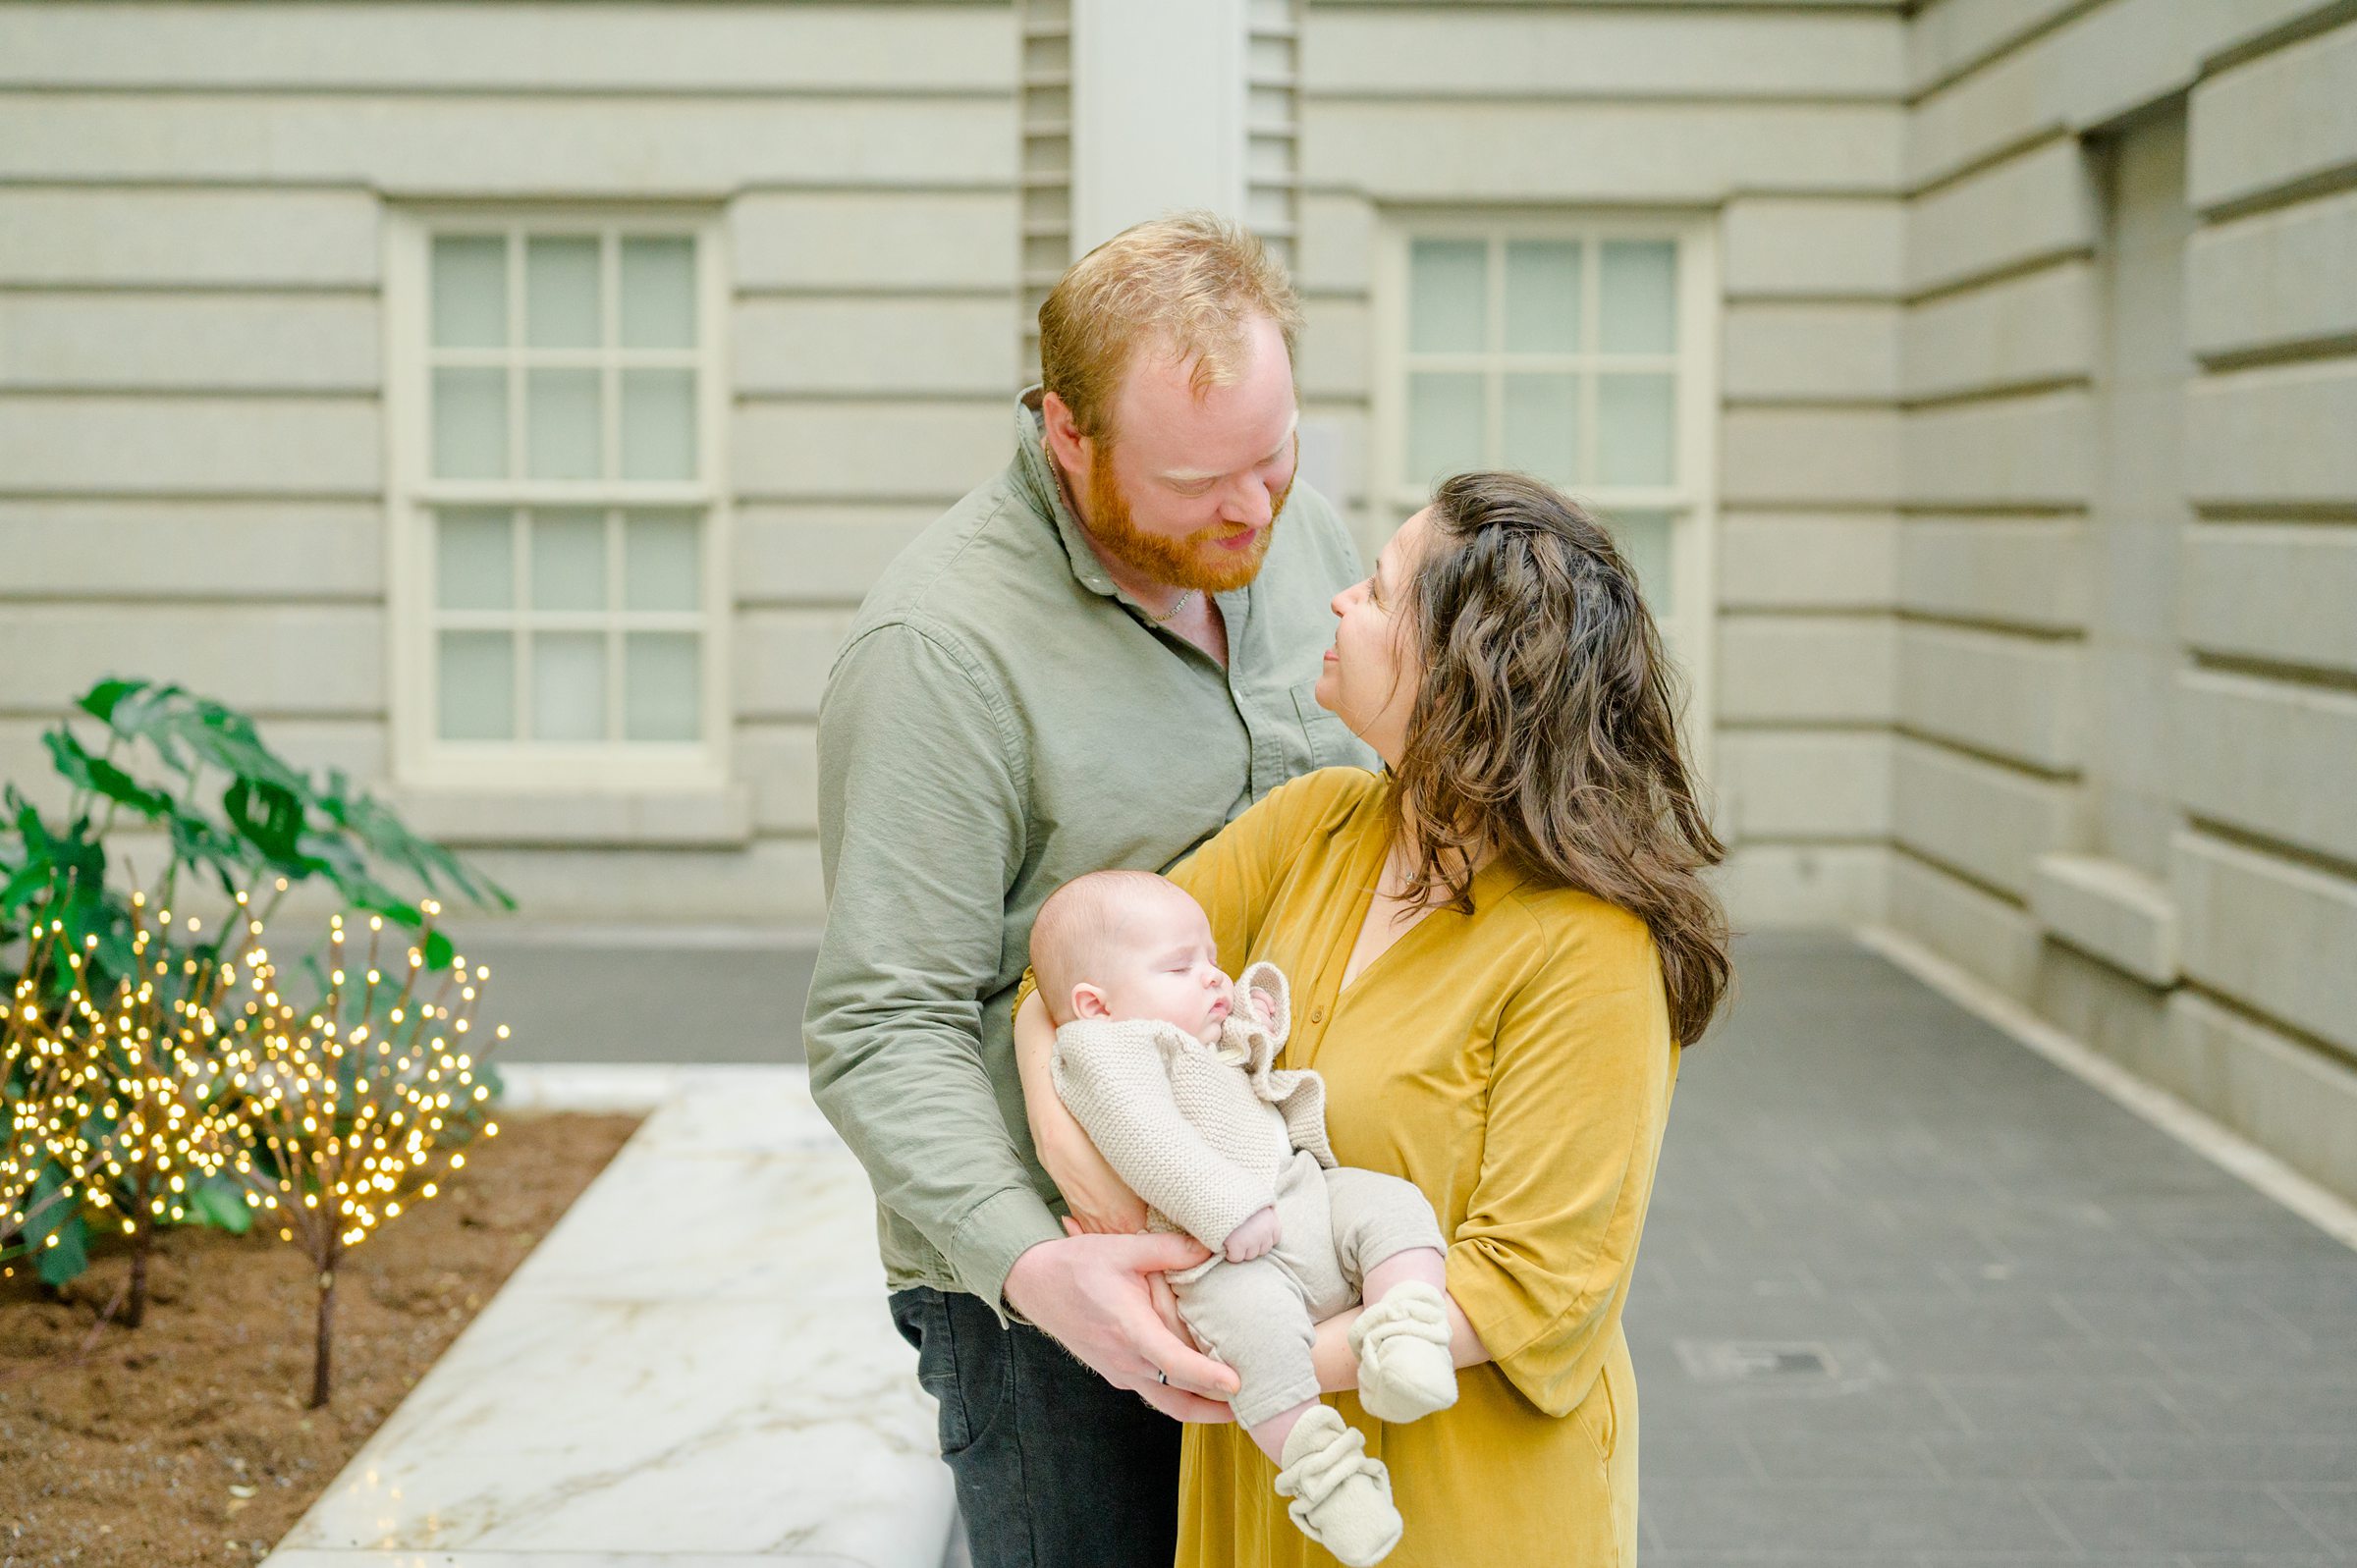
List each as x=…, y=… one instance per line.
x=1257, y=1235
x=1263, y=1005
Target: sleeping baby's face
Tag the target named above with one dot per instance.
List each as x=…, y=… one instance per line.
x=1156, y=960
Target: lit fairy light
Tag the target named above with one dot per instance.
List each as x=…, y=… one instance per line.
x=133, y=1106
x=345, y=1103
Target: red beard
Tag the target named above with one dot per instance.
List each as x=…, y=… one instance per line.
x=1191, y=560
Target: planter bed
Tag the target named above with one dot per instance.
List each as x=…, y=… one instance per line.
x=186, y=1442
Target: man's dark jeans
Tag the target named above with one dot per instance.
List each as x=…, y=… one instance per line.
x=1056, y=1468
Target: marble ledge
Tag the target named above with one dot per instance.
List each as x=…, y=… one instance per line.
x=557, y=1559
x=695, y=1368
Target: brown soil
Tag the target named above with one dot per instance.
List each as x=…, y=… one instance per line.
x=185, y=1441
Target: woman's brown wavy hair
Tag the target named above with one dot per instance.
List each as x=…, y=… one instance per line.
x=1545, y=728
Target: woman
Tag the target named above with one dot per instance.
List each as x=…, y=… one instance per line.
x=1497, y=948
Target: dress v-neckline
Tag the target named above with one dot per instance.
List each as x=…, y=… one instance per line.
x=1370, y=881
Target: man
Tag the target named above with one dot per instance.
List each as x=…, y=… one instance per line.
x=1096, y=659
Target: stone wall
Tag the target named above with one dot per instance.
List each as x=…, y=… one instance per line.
x=192, y=210
x=2128, y=560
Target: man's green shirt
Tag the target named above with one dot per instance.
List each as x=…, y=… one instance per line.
x=1000, y=719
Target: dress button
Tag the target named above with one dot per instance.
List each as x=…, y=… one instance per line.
x=1317, y=1016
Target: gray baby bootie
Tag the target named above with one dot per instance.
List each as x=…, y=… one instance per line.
x=1341, y=1498
x=1404, y=1369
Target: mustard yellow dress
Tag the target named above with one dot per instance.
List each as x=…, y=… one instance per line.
x=1515, y=1064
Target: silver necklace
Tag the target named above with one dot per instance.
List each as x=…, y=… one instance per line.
x=1171, y=614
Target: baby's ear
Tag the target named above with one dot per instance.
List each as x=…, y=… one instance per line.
x=1089, y=1002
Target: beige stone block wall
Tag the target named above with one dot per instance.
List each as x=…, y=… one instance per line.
x=2272, y=591
x=2039, y=422
x=1804, y=561
x=2027, y=572
x=2264, y=874
x=1988, y=821
x=192, y=339
x=1783, y=120
x=2000, y=693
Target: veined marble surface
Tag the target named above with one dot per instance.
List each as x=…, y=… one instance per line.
x=694, y=1369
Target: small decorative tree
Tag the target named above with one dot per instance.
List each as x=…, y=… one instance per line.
x=151, y=758
x=49, y=1079
x=356, y=1107
x=146, y=1111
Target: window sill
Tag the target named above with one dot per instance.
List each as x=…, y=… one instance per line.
x=711, y=817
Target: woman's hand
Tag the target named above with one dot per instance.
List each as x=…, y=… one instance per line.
x=1101, y=1203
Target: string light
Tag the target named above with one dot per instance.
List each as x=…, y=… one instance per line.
x=136, y=1087
x=346, y=1137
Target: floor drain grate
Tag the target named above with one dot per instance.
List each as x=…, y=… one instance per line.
x=1758, y=1361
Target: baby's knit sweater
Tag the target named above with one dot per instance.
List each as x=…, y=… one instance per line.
x=1200, y=1132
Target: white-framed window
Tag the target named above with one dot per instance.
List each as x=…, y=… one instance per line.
x=1575, y=348
x=558, y=407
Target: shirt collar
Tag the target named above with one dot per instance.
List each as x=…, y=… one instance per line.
x=1037, y=474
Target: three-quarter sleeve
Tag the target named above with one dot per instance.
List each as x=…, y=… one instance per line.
x=1578, y=1095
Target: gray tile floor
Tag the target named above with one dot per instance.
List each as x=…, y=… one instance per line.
x=1911, y=1295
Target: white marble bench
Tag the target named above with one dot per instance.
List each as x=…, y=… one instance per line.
x=694, y=1369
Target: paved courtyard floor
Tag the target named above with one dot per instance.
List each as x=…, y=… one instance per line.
x=1911, y=1295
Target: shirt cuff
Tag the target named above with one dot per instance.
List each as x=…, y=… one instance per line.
x=998, y=1230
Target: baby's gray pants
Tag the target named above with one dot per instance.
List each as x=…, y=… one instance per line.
x=1260, y=1317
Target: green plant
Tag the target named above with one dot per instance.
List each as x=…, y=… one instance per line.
x=232, y=811
x=141, y=1116
x=153, y=758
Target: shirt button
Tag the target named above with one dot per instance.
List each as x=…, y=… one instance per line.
x=1317, y=1016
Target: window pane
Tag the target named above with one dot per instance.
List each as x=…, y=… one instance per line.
x=1542, y=297
x=660, y=568
x=1638, y=304
x=658, y=293
x=474, y=560
x=1635, y=420
x=564, y=424
x=471, y=424
x=478, y=685
x=1644, y=541
x=1447, y=295
x=1443, y=425
x=661, y=682
x=560, y=293
x=569, y=687
x=658, y=424
x=471, y=292
x=1542, y=426
x=569, y=561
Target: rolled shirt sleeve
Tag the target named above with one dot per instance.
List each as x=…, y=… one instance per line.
x=1578, y=1098
x=921, y=826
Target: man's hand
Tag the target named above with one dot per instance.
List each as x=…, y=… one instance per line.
x=1093, y=1294
x=1157, y=1286
x=1257, y=1235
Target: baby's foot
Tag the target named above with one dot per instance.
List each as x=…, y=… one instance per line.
x=1404, y=1369
x=1341, y=1498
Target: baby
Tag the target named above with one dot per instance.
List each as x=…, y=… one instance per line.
x=1166, y=1065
